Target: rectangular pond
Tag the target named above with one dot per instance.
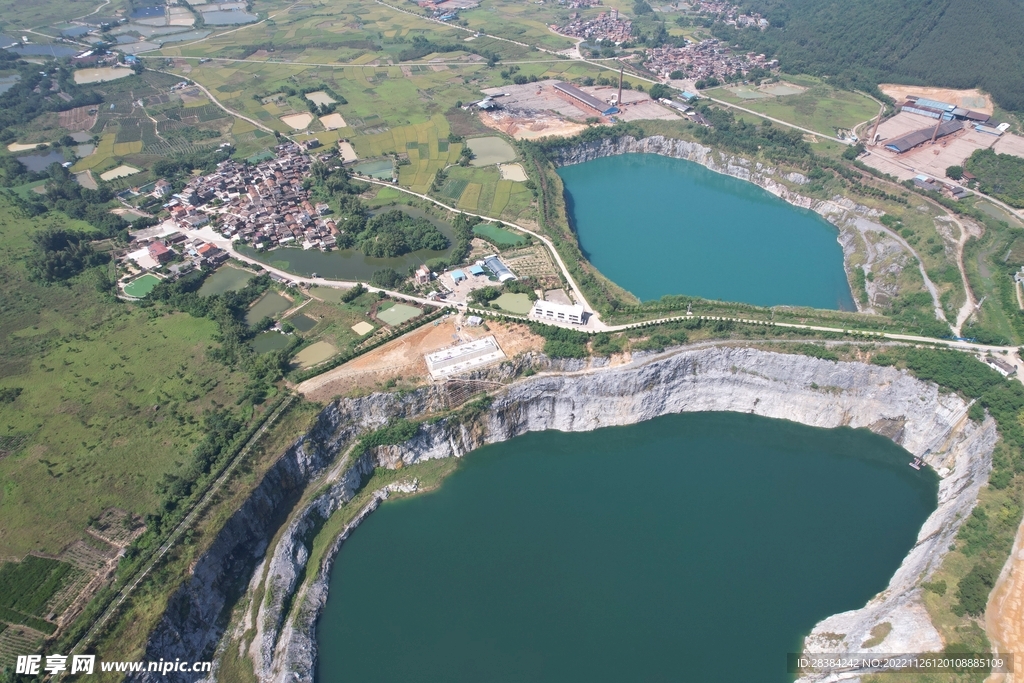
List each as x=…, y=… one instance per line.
x=268, y=306
x=225, y=279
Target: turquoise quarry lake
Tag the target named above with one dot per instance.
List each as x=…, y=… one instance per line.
x=699, y=547
x=657, y=225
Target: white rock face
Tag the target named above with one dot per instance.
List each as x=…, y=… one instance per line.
x=810, y=391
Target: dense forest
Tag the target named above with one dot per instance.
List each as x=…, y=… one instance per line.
x=999, y=175
x=865, y=42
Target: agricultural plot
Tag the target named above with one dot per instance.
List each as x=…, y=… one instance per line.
x=499, y=236
x=819, y=107
x=26, y=589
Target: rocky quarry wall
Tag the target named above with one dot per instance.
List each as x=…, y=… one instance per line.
x=811, y=391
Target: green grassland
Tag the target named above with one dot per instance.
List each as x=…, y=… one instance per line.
x=821, y=108
x=111, y=399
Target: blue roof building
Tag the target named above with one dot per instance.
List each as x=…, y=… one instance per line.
x=476, y=270
x=458, y=276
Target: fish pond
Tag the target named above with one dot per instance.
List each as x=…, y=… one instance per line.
x=658, y=226
x=225, y=279
x=699, y=547
x=268, y=306
x=265, y=342
x=42, y=160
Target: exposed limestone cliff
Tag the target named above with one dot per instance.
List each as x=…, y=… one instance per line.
x=881, y=250
x=890, y=402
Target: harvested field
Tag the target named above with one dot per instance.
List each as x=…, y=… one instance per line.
x=122, y=171
x=297, y=121
x=347, y=152
x=333, y=122
x=403, y=357
x=968, y=99
x=513, y=172
x=79, y=118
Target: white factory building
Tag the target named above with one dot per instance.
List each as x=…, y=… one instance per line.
x=559, y=313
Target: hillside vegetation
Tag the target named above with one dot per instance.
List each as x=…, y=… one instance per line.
x=934, y=42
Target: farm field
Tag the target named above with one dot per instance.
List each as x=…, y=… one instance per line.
x=820, y=107
x=500, y=236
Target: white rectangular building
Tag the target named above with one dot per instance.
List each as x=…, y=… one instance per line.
x=464, y=357
x=559, y=313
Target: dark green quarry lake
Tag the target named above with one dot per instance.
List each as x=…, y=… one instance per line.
x=698, y=547
x=656, y=226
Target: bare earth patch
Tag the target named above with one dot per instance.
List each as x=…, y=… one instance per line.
x=403, y=357
x=297, y=121
x=968, y=99
x=333, y=121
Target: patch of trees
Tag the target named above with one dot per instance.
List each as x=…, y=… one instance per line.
x=386, y=278
x=63, y=193
x=775, y=142
x=61, y=254
x=181, y=165
x=422, y=46
x=350, y=295
x=395, y=233
x=560, y=342
x=999, y=175
x=9, y=394
x=915, y=41
x=398, y=430
x=33, y=93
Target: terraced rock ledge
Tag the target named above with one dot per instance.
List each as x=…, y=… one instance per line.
x=278, y=631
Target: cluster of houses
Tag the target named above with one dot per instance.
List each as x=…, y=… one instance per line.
x=606, y=26
x=264, y=205
x=176, y=251
x=706, y=59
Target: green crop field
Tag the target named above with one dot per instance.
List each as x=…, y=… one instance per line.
x=820, y=107
x=500, y=236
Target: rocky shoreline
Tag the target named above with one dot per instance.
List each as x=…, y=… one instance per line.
x=858, y=226
x=811, y=391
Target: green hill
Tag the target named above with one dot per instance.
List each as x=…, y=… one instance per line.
x=945, y=43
